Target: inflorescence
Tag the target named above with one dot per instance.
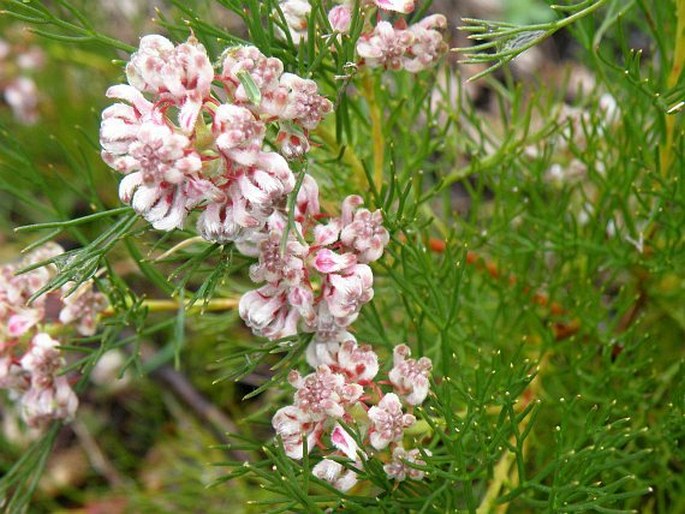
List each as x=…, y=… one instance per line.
x=30, y=358
x=187, y=136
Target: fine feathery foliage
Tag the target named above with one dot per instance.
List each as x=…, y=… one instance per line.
x=532, y=231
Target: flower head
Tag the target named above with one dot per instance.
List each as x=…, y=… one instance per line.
x=304, y=105
x=401, y=465
x=323, y=393
x=427, y=45
x=409, y=377
x=365, y=234
x=385, y=46
x=388, y=421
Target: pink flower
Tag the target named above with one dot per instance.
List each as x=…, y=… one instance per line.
x=340, y=18
x=163, y=204
x=401, y=6
x=217, y=223
x=40, y=405
x=385, y=46
x=327, y=328
x=323, y=393
x=307, y=202
x=401, y=465
x=292, y=424
x=21, y=94
x=293, y=144
x=296, y=13
x=344, y=442
x=182, y=74
x=159, y=154
x=347, y=291
x=359, y=363
x=325, y=235
x=304, y=105
x=366, y=235
x=42, y=360
x=148, y=66
x=260, y=188
x=274, y=267
x=428, y=44
x=12, y=376
x=388, y=422
x=328, y=261
x=264, y=72
x=120, y=126
x=20, y=323
x=409, y=377
x=239, y=135
x=82, y=307
x=267, y=312
x=336, y=474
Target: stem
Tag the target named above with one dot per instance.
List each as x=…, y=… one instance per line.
x=666, y=151
x=369, y=92
x=218, y=304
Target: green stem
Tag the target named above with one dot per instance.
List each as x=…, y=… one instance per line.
x=218, y=304
x=666, y=151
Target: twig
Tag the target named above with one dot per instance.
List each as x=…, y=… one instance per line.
x=219, y=422
x=215, y=305
x=95, y=455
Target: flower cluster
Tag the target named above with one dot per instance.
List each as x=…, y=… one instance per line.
x=30, y=359
x=17, y=88
x=344, y=389
x=392, y=46
x=335, y=263
x=183, y=143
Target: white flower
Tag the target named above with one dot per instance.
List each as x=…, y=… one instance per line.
x=296, y=13
x=304, y=105
x=239, y=135
x=366, y=235
x=267, y=312
x=323, y=393
x=388, y=422
x=401, y=465
x=427, y=45
x=182, y=74
x=21, y=94
x=163, y=204
x=359, y=363
x=400, y=6
x=336, y=474
x=82, y=307
x=292, y=424
x=409, y=377
x=347, y=291
x=385, y=46
x=264, y=72
x=40, y=405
